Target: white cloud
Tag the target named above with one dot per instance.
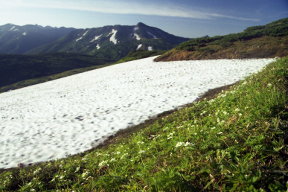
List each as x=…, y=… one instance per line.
x=120, y=7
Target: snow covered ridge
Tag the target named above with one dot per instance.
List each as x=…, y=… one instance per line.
x=73, y=114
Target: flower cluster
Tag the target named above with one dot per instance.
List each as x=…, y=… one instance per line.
x=183, y=144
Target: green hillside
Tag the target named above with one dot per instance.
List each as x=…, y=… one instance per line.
x=269, y=40
x=236, y=141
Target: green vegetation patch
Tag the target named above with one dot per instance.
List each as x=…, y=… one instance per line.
x=269, y=40
x=275, y=29
x=234, y=142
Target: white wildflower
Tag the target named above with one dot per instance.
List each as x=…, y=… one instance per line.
x=183, y=144
x=170, y=135
x=102, y=163
x=77, y=169
x=141, y=151
x=140, y=142
x=203, y=113
x=37, y=171
x=223, y=95
x=124, y=155
x=112, y=160
x=85, y=174
x=211, y=101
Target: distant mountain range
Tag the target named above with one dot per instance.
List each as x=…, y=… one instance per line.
x=16, y=39
x=109, y=42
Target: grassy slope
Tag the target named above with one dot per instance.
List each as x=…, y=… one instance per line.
x=236, y=142
x=270, y=40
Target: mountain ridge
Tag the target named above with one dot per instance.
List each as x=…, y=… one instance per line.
x=118, y=40
x=15, y=39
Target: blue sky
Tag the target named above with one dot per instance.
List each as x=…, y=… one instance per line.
x=189, y=18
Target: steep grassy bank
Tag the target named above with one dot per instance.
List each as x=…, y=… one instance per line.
x=235, y=142
x=270, y=40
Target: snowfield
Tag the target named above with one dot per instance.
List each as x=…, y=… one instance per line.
x=73, y=114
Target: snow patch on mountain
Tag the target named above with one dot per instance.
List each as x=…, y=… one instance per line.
x=113, y=36
x=13, y=28
x=84, y=34
x=98, y=46
x=136, y=28
x=138, y=38
x=152, y=35
x=96, y=38
x=150, y=48
x=139, y=47
x=24, y=34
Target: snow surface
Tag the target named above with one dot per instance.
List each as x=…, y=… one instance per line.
x=139, y=46
x=113, y=36
x=150, y=48
x=136, y=28
x=84, y=34
x=73, y=114
x=138, y=38
x=24, y=34
x=98, y=46
x=11, y=29
x=95, y=38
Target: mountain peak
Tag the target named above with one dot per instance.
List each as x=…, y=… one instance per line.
x=141, y=24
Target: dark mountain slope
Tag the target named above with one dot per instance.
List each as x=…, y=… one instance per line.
x=16, y=39
x=15, y=68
